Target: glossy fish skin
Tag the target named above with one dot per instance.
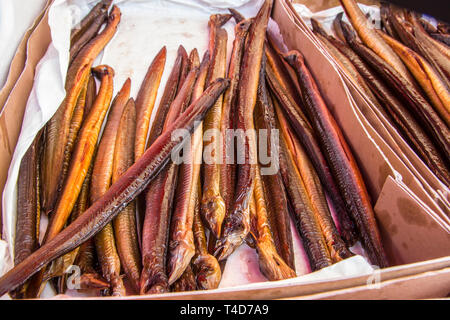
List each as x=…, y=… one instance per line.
x=159, y=194
x=336, y=246
x=124, y=224
x=330, y=43
x=88, y=34
x=371, y=38
x=105, y=243
x=309, y=140
x=181, y=239
x=425, y=75
x=237, y=225
x=28, y=208
x=158, y=231
x=57, y=129
x=270, y=263
x=398, y=114
x=275, y=193
x=186, y=282
x=169, y=94
x=117, y=197
x=181, y=245
x=81, y=160
x=341, y=161
x=212, y=204
x=307, y=225
x=418, y=106
x=99, y=9
x=227, y=167
x=205, y=266
x=75, y=125
x=145, y=100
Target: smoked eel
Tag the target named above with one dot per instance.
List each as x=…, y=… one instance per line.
x=28, y=206
x=310, y=142
x=417, y=105
x=336, y=246
x=237, y=224
x=205, y=266
x=125, y=229
x=272, y=266
x=372, y=39
x=212, y=204
x=305, y=220
x=57, y=129
x=228, y=165
x=275, y=193
x=81, y=160
x=145, y=100
x=341, y=161
x=122, y=192
x=159, y=202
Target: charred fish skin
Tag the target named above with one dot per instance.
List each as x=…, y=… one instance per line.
x=117, y=197
x=341, y=161
x=237, y=224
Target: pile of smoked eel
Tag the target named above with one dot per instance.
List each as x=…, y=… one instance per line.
x=136, y=222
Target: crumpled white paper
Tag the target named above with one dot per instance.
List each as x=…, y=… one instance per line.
x=146, y=26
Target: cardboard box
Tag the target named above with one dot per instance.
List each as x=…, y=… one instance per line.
x=419, y=245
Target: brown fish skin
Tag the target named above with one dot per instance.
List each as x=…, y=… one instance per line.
x=57, y=130
x=157, y=223
x=398, y=114
x=169, y=94
x=227, y=167
x=181, y=239
x=336, y=246
x=145, y=100
x=97, y=10
x=342, y=163
x=275, y=193
x=118, y=196
x=417, y=104
x=306, y=223
x=186, y=282
x=439, y=98
x=124, y=224
x=159, y=196
x=205, y=266
x=272, y=266
x=88, y=35
x=305, y=133
x=59, y=266
x=91, y=93
x=237, y=225
x=181, y=243
x=81, y=160
x=28, y=209
x=405, y=33
x=371, y=38
x=343, y=61
x=212, y=204
x=75, y=125
x=101, y=181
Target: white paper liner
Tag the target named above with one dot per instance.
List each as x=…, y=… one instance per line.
x=145, y=27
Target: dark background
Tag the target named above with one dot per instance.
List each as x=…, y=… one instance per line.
x=439, y=9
